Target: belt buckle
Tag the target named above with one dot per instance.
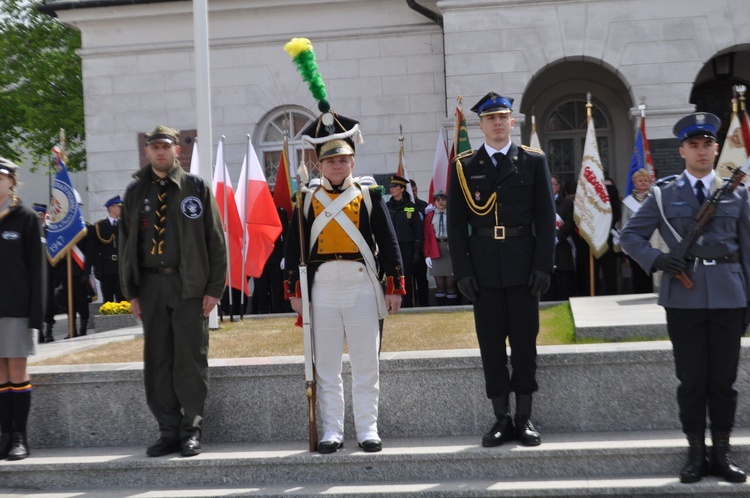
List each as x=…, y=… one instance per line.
x=114, y=257
x=500, y=232
x=709, y=262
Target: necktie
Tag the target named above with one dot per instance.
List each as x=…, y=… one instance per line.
x=160, y=224
x=699, y=192
x=499, y=158
x=441, y=226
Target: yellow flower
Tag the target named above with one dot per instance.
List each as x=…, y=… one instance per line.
x=110, y=308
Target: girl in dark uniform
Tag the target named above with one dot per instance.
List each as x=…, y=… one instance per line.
x=21, y=310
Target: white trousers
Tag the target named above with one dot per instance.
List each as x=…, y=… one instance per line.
x=344, y=307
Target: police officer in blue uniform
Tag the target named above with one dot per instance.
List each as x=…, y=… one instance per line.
x=705, y=323
x=501, y=232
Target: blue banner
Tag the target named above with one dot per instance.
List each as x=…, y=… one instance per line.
x=638, y=161
x=65, y=225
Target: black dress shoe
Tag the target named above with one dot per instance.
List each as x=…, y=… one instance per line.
x=191, y=446
x=502, y=431
x=371, y=445
x=326, y=447
x=163, y=446
x=19, y=448
x=526, y=434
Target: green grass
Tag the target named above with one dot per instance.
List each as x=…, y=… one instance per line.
x=277, y=336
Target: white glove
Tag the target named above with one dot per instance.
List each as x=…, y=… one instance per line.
x=281, y=265
x=428, y=262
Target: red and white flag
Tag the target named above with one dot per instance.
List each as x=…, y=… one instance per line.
x=195, y=165
x=262, y=222
x=592, y=208
x=440, y=167
x=733, y=153
x=282, y=189
x=230, y=220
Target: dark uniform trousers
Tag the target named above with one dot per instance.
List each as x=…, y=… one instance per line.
x=175, y=354
x=111, y=288
x=706, y=345
x=511, y=313
x=407, y=257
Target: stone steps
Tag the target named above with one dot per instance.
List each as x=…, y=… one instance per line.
x=638, y=463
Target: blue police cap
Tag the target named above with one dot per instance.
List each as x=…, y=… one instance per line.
x=698, y=124
x=493, y=103
x=114, y=201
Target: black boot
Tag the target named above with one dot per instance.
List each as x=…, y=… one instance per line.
x=440, y=298
x=5, y=445
x=40, y=337
x=84, y=326
x=452, y=300
x=696, y=466
x=721, y=465
x=526, y=434
x=19, y=447
x=503, y=429
x=48, y=333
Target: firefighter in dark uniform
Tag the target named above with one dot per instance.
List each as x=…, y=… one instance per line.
x=408, y=225
x=706, y=322
x=173, y=266
x=106, y=268
x=501, y=231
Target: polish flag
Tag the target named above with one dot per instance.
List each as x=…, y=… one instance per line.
x=262, y=223
x=440, y=167
x=230, y=220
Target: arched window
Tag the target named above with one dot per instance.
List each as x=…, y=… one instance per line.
x=289, y=121
x=565, y=134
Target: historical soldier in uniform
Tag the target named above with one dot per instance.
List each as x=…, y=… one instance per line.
x=173, y=266
x=350, y=242
x=706, y=322
x=106, y=268
x=501, y=232
x=408, y=225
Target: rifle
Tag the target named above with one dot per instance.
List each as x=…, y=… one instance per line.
x=307, y=330
x=704, y=215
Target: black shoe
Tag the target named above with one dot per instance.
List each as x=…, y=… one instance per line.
x=326, y=447
x=19, y=447
x=502, y=431
x=371, y=445
x=696, y=467
x=5, y=445
x=526, y=434
x=721, y=464
x=163, y=446
x=191, y=446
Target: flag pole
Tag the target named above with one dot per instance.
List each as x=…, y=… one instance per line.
x=225, y=222
x=592, y=290
x=243, y=216
x=68, y=259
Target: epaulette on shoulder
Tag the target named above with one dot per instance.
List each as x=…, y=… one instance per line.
x=661, y=182
x=465, y=154
x=531, y=149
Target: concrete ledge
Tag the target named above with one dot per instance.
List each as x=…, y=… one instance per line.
x=601, y=387
x=617, y=318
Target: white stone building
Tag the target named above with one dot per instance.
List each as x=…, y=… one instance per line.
x=405, y=62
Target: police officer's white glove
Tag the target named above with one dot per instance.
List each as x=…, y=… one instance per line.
x=428, y=262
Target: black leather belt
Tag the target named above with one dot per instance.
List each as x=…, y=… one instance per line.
x=501, y=232
x=729, y=258
x=442, y=240
x=167, y=270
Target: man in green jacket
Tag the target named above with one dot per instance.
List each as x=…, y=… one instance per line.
x=172, y=269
